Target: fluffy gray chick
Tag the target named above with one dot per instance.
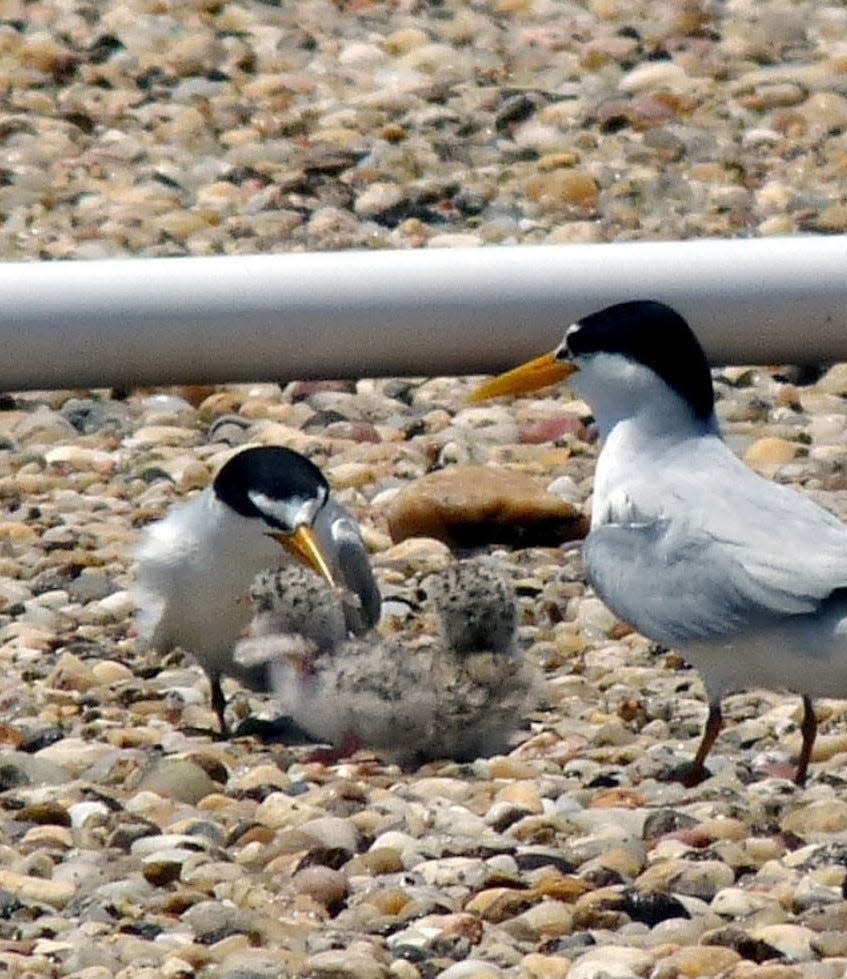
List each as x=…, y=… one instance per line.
x=459, y=695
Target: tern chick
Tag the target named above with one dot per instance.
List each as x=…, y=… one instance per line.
x=746, y=578
x=458, y=695
x=266, y=507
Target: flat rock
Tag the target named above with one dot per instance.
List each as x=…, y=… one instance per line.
x=471, y=505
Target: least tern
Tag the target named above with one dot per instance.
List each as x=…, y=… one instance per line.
x=744, y=577
x=267, y=506
x=460, y=694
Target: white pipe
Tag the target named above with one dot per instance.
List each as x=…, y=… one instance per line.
x=450, y=311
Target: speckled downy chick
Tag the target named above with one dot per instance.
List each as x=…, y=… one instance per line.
x=484, y=685
x=460, y=694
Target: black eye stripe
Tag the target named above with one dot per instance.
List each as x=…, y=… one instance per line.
x=270, y=470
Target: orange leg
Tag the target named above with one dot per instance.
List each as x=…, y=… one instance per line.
x=697, y=772
x=809, y=729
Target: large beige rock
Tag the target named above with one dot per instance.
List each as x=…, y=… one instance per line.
x=473, y=505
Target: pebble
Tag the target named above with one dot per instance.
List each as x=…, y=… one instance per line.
x=343, y=964
x=822, y=816
x=324, y=885
x=612, y=961
x=37, y=890
x=178, y=779
x=471, y=969
x=768, y=453
x=478, y=504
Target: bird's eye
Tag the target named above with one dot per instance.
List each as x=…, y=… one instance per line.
x=564, y=351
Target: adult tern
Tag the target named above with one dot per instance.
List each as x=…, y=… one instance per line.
x=266, y=507
x=744, y=577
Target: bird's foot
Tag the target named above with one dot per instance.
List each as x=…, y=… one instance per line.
x=686, y=773
x=277, y=730
x=197, y=731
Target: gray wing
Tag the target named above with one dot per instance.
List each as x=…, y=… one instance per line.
x=708, y=549
x=339, y=533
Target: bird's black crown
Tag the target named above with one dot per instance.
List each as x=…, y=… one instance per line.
x=272, y=471
x=656, y=336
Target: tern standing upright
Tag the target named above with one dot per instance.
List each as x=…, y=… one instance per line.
x=746, y=578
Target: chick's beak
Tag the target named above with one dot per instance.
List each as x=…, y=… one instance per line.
x=538, y=373
x=303, y=546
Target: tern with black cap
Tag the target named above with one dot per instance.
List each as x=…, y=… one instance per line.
x=266, y=507
x=744, y=577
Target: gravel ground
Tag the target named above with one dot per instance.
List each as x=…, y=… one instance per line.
x=132, y=846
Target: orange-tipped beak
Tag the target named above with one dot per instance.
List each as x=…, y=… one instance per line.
x=535, y=374
x=303, y=545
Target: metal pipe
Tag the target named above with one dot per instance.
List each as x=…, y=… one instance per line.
x=438, y=311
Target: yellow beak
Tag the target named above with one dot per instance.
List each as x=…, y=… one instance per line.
x=535, y=374
x=303, y=546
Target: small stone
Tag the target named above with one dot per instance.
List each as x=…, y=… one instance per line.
x=611, y=962
x=823, y=816
x=700, y=960
x=563, y=189
x=834, y=380
x=76, y=755
x=766, y=454
x=345, y=964
x=537, y=966
x=388, y=900
x=498, y=904
x=503, y=766
x=333, y=833
x=793, y=941
x=90, y=586
x=71, y=673
x=178, y=779
x=474, y=505
x=471, y=969
x=417, y=555
x=81, y=812
x=382, y=860
x=552, y=429
x=377, y=199
x=826, y=111
x=594, y=618
x=523, y=795
x=45, y=813
x=108, y=671
x=324, y=885
x=255, y=963
x=654, y=75
x=20, y=768
x=46, y=837
x=165, y=866
x=213, y=920
x=549, y=919
x=38, y=890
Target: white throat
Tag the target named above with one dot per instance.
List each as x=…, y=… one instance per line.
x=621, y=391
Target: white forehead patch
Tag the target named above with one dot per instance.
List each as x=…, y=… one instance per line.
x=290, y=513
x=562, y=352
